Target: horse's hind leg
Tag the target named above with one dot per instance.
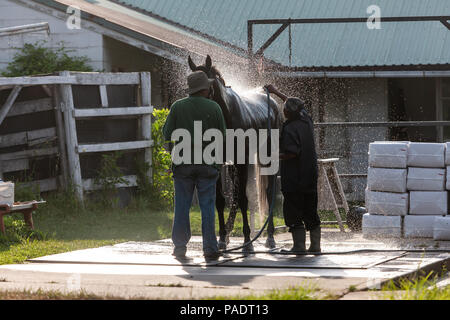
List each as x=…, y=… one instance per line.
x=243, y=205
x=220, y=206
x=270, y=242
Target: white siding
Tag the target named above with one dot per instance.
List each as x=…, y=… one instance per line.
x=83, y=42
x=367, y=101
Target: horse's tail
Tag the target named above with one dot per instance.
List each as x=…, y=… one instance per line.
x=262, y=183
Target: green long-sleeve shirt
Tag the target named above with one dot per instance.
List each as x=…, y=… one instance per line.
x=184, y=112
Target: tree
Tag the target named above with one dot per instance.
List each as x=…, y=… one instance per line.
x=35, y=59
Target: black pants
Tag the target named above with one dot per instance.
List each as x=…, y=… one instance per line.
x=300, y=209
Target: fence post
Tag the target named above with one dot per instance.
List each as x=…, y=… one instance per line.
x=61, y=136
x=146, y=120
x=73, y=157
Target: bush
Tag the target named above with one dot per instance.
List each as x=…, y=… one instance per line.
x=35, y=59
x=161, y=190
x=16, y=231
x=108, y=176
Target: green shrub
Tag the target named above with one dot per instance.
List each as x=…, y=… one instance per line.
x=16, y=231
x=108, y=176
x=26, y=192
x=35, y=59
x=161, y=190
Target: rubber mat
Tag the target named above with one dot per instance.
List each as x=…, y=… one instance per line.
x=112, y=255
x=344, y=261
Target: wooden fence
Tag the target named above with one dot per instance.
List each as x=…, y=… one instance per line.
x=63, y=118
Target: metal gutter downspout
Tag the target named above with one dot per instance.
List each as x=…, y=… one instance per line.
x=363, y=74
x=42, y=26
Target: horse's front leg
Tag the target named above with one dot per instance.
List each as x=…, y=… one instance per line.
x=246, y=227
x=270, y=241
x=220, y=206
x=243, y=205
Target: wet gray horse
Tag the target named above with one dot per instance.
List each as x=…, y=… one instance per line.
x=240, y=112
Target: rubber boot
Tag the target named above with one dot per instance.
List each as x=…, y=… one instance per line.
x=314, y=236
x=299, y=238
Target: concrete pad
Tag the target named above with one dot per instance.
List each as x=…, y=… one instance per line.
x=118, y=255
x=138, y=269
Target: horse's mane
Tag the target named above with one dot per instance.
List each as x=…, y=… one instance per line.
x=213, y=71
x=218, y=74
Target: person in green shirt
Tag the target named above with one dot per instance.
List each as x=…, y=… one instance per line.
x=194, y=173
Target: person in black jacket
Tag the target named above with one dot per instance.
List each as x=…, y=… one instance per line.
x=299, y=173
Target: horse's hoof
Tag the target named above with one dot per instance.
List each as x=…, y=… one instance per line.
x=248, y=249
x=270, y=243
x=222, y=245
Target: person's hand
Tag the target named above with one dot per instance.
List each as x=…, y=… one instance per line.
x=271, y=88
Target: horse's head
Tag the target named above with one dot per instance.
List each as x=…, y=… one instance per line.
x=219, y=88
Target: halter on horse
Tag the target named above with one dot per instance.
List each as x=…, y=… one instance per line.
x=240, y=112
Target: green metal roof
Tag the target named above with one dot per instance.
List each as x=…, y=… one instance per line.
x=317, y=45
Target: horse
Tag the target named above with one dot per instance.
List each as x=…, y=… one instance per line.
x=240, y=112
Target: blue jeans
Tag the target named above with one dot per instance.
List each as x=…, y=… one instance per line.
x=186, y=179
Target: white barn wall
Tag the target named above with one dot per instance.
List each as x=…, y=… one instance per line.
x=83, y=42
x=367, y=102
x=353, y=100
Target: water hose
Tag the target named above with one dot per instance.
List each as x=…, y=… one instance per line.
x=293, y=253
x=273, y=193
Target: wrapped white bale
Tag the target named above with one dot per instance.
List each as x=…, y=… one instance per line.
x=447, y=186
x=381, y=226
x=426, y=179
x=418, y=226
x=7, y=193
x=427, y=155
x=388, y=154
x=447, y=154
x=387, y=180
x=386, y=203
x=441, y=228
x=428, y=203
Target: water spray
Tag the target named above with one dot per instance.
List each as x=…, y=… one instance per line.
x=293, y=253
x=273, y=191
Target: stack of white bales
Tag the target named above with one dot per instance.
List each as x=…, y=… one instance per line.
x=426, y=185
x=407, y=180
x=386, y=194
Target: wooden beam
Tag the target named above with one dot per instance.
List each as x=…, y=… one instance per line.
x=13, y=139
x=25, y=137
x=32, y=106
x=41, y=133
x=14, y=165
x=146, y=120
x=39, y=141
x=45, y=185
x=103, y=96
x=9, y=102
x=56, y=103
x=71, y=137
x=271, y=39
x=33, y=153
x=77, y=78
x=115, y=146
x=95, y=78
x=109, y=112
x=89, y=184
x=36, y=81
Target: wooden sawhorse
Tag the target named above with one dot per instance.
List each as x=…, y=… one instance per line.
x=330, y=191
x=26, y=208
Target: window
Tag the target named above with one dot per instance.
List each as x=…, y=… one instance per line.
x=445, y=105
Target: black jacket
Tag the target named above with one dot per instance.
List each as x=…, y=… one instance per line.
x=299, y=174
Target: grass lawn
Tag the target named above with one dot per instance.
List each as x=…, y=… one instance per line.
x=61, y=228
